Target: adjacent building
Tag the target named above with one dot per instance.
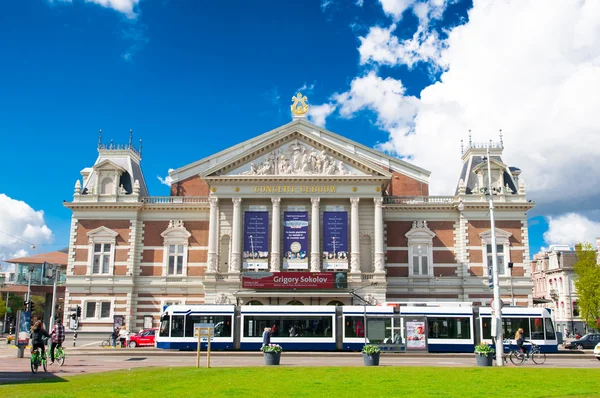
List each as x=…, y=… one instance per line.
x=296, y=215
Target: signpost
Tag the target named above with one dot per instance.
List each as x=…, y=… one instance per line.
x=206, y=330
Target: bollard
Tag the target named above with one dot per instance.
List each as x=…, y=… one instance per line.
x=74, y=338
x=20, y=351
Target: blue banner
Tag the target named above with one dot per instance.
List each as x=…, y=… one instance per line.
x=256, y=235
x=335, y=235
x=295, y=239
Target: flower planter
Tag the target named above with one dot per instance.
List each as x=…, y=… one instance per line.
x=272, y=358
x=371, y=360
x=484, y=360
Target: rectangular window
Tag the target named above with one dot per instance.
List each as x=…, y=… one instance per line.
x=222, y=324
x=105, y=309
x=379, y=330
x=175, y=260
x=90, y=309
x=420, y=264
x=177, y=325
x=164, y=326
x=101, y=260
x=499, y=258
x=550, y=333
x=449, y=328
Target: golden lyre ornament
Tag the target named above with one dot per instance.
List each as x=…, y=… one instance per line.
x=299, y=107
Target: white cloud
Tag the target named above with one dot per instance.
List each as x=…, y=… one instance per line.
x=325, y=4
x=306, y=88
x=360, y=3
x=395, y=111
x=125, y=7
x=570, y=229
x=395, y=8
x=318, y=113
x=382, y=47
x=20, y=226
x=520, y=66
x=167, y=180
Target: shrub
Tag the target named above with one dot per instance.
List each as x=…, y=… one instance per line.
x=271, y=348
x=484, y=349
x=371, y=349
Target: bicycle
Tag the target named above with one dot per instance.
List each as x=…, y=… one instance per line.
x=38, y=359
x=517, y=357
x=108, y=343
x=59, y=355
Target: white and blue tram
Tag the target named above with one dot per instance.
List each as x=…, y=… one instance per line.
x=449, y=327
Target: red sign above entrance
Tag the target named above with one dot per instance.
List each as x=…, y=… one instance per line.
x=294, y=280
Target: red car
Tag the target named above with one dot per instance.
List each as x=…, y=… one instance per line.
x=143, y=338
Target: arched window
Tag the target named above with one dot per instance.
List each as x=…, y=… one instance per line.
x=107, y=186
x=224, y=254
x=336, y=303
x=295, y=302
x=254, y=302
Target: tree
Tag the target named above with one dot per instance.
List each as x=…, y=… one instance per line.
x=39, y=303
x=587, y=284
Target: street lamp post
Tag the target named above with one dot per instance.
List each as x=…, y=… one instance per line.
x=497, y=309
x=31, y=269
x=352, y=292
x=56, y=274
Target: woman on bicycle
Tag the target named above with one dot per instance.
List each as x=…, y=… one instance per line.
x=519, y=336
x=37, y=335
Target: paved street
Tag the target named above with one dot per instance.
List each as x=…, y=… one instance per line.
x=84, y=360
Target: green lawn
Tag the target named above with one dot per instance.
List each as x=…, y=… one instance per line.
x=296, y=382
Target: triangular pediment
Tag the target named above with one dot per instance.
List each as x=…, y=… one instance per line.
x=296, y=154
x=500, y=234
x=108, y=165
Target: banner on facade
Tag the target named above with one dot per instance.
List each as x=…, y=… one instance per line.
x=256, y=240
x=295, y=240
x=335, y=240
x=294, y=280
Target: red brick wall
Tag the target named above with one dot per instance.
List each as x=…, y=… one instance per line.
x=397, y=256
x=402, y=185
x=197, y=256
x=150, y=271
x=475, y=256
x=478, y=226
x=199, y=231
x=79, y=270
x=476, y=271
x=443, y=257
x=193, y=186
x=396, y=233
x=120, y=226
x=152, y=231
x=121, y=255
x=397, y=272
x=120, y=270
x=444, y=233
x=152, y=256
x=196, y=271
x=81, y=254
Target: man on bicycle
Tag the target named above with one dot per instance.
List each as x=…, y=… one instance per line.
x=58, y=336
x=37, y=334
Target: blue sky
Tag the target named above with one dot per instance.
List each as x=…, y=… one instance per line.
x=194, y=77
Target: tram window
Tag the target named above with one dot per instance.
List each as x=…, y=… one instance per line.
x=378, y=329
x=537, y=329
x=486, y=328
x=222, y=324
x=511, y=325
x=550, y=333
x=449, y=328
x=164, y=326
x=288, y=326
x=177, y=325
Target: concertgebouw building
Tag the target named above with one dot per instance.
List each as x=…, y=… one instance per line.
x=296, y=215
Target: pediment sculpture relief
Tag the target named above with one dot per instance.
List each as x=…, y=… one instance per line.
x=297, y=159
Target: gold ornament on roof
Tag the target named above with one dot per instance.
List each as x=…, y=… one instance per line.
x=299, y=106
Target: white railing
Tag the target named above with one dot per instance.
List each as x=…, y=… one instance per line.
x=418, y=200
x=367, y=276
x=173, y=199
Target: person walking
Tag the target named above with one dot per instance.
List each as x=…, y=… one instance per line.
x=114, y=335
x=123, y=337
x=58, y=336
x=266, y=336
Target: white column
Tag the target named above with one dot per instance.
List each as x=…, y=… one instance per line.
x=379, y=265
x=315, y=253
x=276, y=235
x=354, y=236
x=236, y=234
x=213, y=230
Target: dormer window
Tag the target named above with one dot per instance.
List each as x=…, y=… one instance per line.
x=175, y=249
x=101, y=251
x=420, y=249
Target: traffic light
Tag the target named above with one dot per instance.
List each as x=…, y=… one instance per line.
x=73, y=316
x=25, y=305
x=78, y=312
x=31, y=306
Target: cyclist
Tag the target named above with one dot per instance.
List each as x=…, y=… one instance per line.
x=37, y=335
x=58, y=336
x=519, y=336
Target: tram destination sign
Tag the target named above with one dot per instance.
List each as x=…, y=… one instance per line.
x=294, y=280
